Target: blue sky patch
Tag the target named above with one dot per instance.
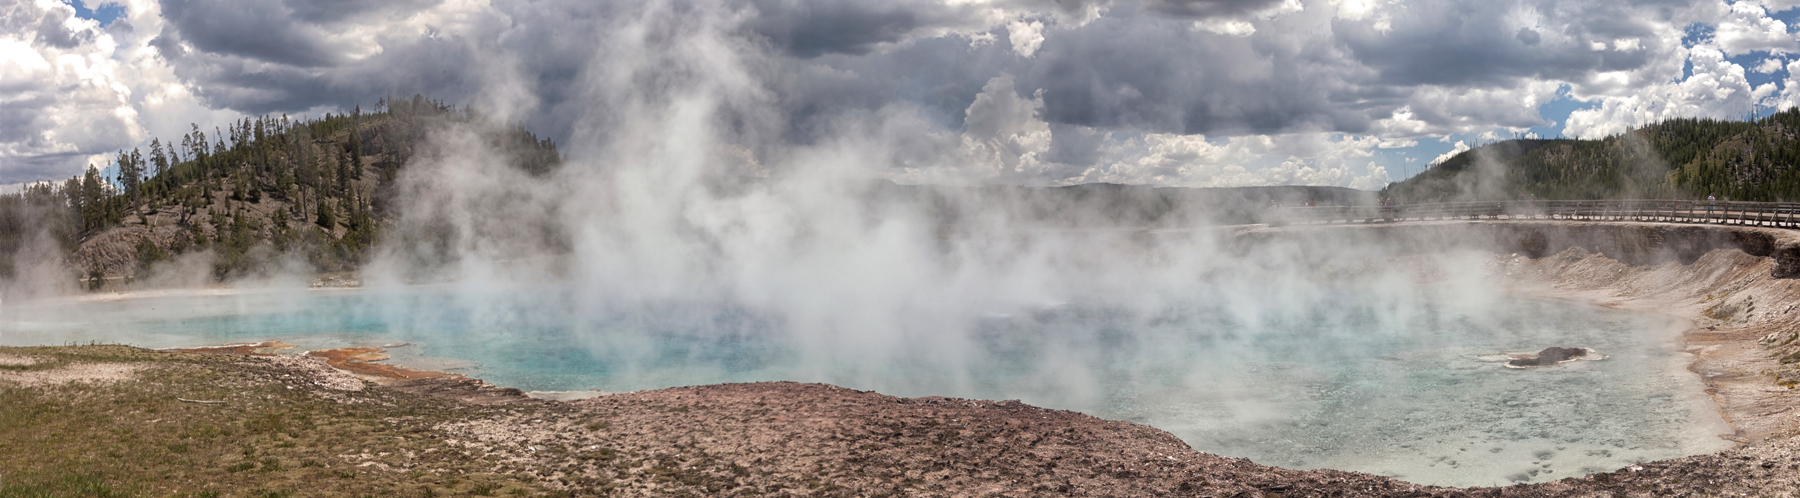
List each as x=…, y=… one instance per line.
x=1787, y=17
x=1697, y=33
x=105, y=14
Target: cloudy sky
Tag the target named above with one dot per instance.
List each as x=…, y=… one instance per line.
x=1162, y=92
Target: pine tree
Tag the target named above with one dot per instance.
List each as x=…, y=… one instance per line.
x=326, y=220
x=135, y=180
x=356, y=149
x=343, y=173
x=159, y=160
x=93, y=209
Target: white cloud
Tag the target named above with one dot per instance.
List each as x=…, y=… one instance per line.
x=1003, y=131
x=1245, y=25
x=1717, y=88
x=1025, y=37
x=1196, y=161
x=1441, y=110
x=1460, y=147
x=1769, y=65
x=1777, y=5
x=1791, y=98
x=76, y=92
x=1374, y=11
x=1748, y=28
x=1230, y=27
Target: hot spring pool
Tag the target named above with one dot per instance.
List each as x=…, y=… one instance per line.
x=1351, y=381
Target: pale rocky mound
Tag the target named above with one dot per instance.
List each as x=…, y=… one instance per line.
x=819, y=440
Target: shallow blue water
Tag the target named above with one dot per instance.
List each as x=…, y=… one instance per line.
x=1347, y=380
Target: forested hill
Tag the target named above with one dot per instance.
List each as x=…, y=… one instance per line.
x=267, y=191
x=1675, y=159
x=278, y=196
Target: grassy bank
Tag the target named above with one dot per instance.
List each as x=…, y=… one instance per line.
x=121, y=421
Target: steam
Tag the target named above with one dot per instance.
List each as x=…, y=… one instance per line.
x=1489, y=181
x=683, y=189
x=1644, y=169
x=38, y=268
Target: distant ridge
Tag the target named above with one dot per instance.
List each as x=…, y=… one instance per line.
x=1675, y=159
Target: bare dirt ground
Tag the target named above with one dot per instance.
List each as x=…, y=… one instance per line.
x=817, y=440
x=96, y=373
x=13, y=360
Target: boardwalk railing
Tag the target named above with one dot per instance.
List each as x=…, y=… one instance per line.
x=1771, y=214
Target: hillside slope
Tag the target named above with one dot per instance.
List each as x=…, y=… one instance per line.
x=1674, y=159
x=271, y=194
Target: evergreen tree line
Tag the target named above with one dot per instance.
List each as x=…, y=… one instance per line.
x=257, y=189
x=1676, y=159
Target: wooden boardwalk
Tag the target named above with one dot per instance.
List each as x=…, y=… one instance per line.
x=1768, y=214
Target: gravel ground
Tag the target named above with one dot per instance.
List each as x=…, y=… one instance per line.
x=784, y=438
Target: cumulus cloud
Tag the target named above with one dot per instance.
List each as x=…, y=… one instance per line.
x=72, y=92
x=61, y=101
x=1717, y=88
x=1025, y=37
x=1459, y=148
x=1003, y=130
x=1197, y=161
x=1749, y=28
x=1011, y=91
x=1769, y=66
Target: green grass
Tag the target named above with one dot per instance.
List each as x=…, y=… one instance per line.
x=270, y=439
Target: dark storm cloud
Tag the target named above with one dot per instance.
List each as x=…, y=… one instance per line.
x=257, y=87
x=260, y=75
x=22, y=123
x=1209, y=8
x=1142, y=66
x=940, y=76
x=35, y=140
x=809, y=28
x=43, y=27
x=261, y=63
x=47, y=167
x=1458, y=44
x=331, y=11
x=1152, y=74
x=50, y=31
x=1528, y=37
x=263, y=30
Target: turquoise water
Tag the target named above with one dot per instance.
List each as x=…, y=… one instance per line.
x=1385, y=383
